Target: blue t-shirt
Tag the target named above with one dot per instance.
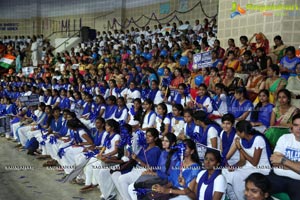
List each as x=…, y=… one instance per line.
x=162, y=172
x=152, y=156
x=238, y=110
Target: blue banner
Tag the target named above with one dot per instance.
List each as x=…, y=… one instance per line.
x=202, y=60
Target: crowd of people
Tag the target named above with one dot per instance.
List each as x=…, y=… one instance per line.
x=129, y=113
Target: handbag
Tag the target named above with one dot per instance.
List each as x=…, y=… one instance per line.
x=147, y=181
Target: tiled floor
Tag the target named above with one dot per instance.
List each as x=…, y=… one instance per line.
x=35, y=182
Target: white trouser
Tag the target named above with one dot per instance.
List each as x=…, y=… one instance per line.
x=23, y=134
x=52, y=149
x=68, y=160
x=14, y=127
x=106, y=184
x=125, y=180
x=89, y=172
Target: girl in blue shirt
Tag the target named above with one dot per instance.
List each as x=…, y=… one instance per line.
x=147, y=158
x=261, y=115
x=182, y=177
x=166, y=163
x=241, y=106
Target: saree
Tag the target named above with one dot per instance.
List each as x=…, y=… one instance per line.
x=254, y=83
x=275, y=132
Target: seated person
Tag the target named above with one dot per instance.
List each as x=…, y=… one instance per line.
x=286, y=178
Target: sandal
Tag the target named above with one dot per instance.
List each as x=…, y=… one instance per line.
x=87, y=188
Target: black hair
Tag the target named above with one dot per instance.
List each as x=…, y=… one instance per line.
x=248, y=53
x=150, y=102
x=255, y=112
x=76, y=124
x=277, y=37
x=246, y=127
x=296, y=116
x=172, y=139
x=205, y=87
x=253, y=67
x=216, y=153
x=261, y=181
x=291, y=49
x=112, y=98
x=287, y=93
x=42, y=105
x=154, y=132
x=275, y=68
x=165, y=109
x=242, y=90
x=180, y=108
x=73, y=115
x=243, y=37
x=114, y=124
x=138, y=115
x=189, y=110
x=192, y=145
x=203, y=117
x=228, y=117
x=101, y=119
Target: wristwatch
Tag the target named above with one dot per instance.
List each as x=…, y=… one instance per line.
x=283, y=160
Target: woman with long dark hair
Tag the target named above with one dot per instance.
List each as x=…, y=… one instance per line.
x=163, y=121
x=281, y=117
x=147, y=158
x=81, y=138
x=167, y=160
x=97, y=162
x=177, y=120
x=261, y=115
x=254, y=157
x=183, y=176
x=149, y=115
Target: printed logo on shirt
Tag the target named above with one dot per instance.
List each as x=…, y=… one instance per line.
x=292, y=154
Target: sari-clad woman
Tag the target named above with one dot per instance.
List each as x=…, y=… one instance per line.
x=177, y=80
x=281, y=118
x=231, y=82
x=256, y=82
x=263, y=61
x=232, y=62
x=293, y=87
x=261, y=42
x=274, y=83
x=277, y=51
x=261, y=115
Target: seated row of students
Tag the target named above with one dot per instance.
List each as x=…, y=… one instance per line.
x=69, y=142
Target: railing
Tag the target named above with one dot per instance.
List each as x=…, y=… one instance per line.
x=65, y=42
x=56, y=32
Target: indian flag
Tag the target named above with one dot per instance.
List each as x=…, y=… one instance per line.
x=6, y=61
